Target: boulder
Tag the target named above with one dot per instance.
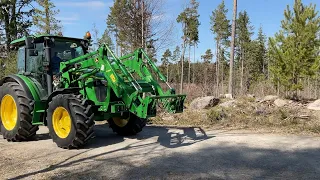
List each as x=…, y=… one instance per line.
x=225, y=96
x=314, y=105
x=227, y=104
x=204, y=102
x=228, y=96
x=270, y=98
x=280, y=102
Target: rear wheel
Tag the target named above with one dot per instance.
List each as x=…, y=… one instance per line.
x=70, y=121
x=127, y=125
x=15, y=113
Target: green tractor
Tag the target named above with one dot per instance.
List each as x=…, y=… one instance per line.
x=63, y=86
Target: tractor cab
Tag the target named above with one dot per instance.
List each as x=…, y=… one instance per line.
x=40, y=56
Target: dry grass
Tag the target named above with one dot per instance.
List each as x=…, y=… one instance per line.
x=248, y=114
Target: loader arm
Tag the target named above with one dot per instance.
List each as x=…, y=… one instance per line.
x=130, y=78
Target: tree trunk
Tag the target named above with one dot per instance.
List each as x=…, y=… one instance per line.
x=232, y=46
x=46, y=9
x=242, y=71
x=189, y=70
x=194, y=60
x=182, y=59
x=205, y=76
x=168, y=72
x=217, y=69
x=222, y=74
x=142, y=24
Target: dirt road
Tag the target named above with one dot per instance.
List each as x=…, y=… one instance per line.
x=165, y=153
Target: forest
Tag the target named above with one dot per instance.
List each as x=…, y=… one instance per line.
x=287, y=64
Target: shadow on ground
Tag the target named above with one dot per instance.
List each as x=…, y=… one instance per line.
x=220, y=162
x=211, y=161
x=105, y=137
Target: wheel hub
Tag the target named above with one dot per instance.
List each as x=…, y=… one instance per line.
x=121, y=122
x=61, y=121
x=9, y=112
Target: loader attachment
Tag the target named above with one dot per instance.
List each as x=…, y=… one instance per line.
x=132, y=78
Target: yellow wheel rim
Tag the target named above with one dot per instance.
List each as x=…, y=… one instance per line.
x=9, y=112
x=61, y=122
x=120, y=121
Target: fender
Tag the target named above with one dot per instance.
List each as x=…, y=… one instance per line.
x=32, y=92
x=27, y=85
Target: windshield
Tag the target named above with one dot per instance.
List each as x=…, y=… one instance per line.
x=67, y=50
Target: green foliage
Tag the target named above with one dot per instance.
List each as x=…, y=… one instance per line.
x=262, y=52
x=220, y=25
x=294, y=50
x=166, y=57
x=244, y=33
x=176, y=54
x=106, y=39
x=44, y=19
x=207, y=57
x=190, y=20
x=15, y=19
x=125, y=22
x=8, y=65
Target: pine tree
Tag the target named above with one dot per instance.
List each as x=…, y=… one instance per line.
x=167, y=55
x=193, y=30
x=176, y=55
x=261, y=59
x=294, y=49
x=106, y=39
x=45, y=20
x=15, y=19
x=244, y=33
x=131, y=23
x=183, y=19
x=220, y=26
x=207, y=57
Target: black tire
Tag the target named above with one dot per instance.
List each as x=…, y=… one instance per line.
x=133, y=127
x=82, y=122
x=23, y=129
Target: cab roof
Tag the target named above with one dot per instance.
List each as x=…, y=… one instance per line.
x=40, y=38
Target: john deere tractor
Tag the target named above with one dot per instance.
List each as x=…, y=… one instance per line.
x=63, y=86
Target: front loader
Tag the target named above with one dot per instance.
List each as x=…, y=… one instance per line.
x=63, y=86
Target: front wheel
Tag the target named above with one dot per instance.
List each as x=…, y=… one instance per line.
x=70, y=121
x=127, y=125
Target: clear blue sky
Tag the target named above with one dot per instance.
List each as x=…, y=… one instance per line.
x=78, y=16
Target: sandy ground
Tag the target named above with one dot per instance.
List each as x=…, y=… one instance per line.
x=165, y=153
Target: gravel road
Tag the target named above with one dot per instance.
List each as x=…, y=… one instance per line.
x=165, y=153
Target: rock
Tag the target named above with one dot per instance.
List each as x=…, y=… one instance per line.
x=251, y=96
x=227, y=104
x=228, y=96
x=280, y=102
x=314, y=105
x=270, y=98
x=204, y=102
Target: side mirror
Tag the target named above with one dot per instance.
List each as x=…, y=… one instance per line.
x=33, y=52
